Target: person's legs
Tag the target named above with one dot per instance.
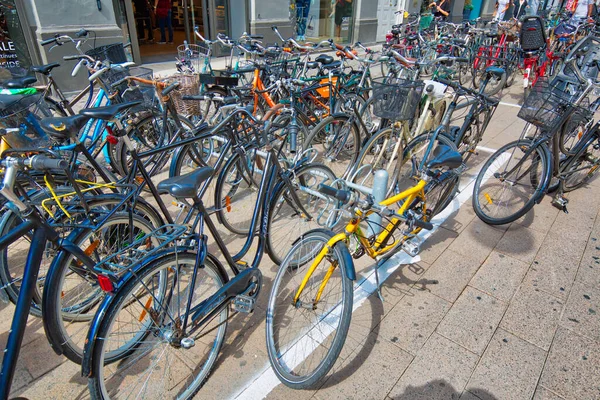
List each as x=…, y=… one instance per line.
x=149, y=27
x=162, y=21
x=170, y=26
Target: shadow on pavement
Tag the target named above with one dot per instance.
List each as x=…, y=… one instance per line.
x=439, y=389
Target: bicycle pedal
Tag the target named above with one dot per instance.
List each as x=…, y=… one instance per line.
x=412, y=247
x=560, y=202
x=243, y=303
x=242, y=265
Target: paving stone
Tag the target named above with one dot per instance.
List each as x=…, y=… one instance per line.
x=436, y=244
x=573, y=366
x=439, y=371
x=521, y=243
x=541, y=217
x=574, y=225
x=509, y=368
x=500, y=275
x=39, y=358
x=533, y=315
x=400, y=282
x=477, y=241
x=556, y=264
x=541, y=393
x=378, y=362
x=410, y=323
x=472, y=320
x=63, y=382
x=459, y=220
x=582, y=312
x=448, y=282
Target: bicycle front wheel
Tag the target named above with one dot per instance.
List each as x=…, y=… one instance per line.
x=305, y=337
x=146, y=316
x=510, y=182
x=583, y=166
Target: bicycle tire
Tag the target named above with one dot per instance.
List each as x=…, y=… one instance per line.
x=584, y=159
x=130, y=289
x=312, y=378
x=236, y=192
x=337, y=141
x=537, y=173
x=572, y=131
x=498, y=84
x=70, y=300
x=384, y=149
x=285, y=223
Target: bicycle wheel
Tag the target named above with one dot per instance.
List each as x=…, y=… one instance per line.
x=573, y=130
x=286, y=222
x=237, y=189
x=371, y=122
x=304, y=338
x=583, y=166
x=146, y=317
x=337, y=141
x=510, y=182
x=73, y=294
x=495, y=83
x=382, y=151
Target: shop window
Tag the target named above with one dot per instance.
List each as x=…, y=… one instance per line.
x=14, y=54
x=323, y=19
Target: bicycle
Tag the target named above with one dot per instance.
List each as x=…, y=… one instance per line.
x=172, y=306
x=305, y=328
x=516, y=177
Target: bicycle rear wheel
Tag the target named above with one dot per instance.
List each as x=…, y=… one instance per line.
x=583, y=166
x=510, y=182
x=146, y=317
x=304, y=338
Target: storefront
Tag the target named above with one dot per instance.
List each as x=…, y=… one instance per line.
x=14, y=51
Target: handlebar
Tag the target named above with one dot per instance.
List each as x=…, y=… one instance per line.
x=37, y=162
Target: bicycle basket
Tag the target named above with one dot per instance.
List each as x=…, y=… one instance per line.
x=533, y=36
x=547, y=106
x=193, y=55
x=25, y=112
x=396, y=99
x=114, y=53
x=131, y=91
x=189, y=84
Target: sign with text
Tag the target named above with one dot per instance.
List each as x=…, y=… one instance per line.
x=14, y=55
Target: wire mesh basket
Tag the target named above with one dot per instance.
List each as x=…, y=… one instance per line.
x=26, y=112
x=131, y=90
x=547, y=106
x=189, y=84
x=114, y=53
x=396, y=99
x=192, y=56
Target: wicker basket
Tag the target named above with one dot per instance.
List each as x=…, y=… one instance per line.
x=189, y=84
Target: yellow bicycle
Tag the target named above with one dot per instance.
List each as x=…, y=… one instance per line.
x=310, y=307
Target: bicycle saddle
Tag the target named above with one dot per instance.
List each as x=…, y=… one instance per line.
x=185, y=186
x=459, y=42
x=324, y=59
x=7, y=100
x=444, y=156
x=109, y=112
x=45, y=69
x=19, y=83
x=62, y=128
x=496, y=71
x=412, y=38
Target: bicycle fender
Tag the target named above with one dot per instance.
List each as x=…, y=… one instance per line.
x=349, y=269
x=90, y=341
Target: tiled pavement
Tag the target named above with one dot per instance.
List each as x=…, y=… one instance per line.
x=508, y=312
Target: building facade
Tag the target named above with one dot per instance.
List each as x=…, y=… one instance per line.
x=26, y=23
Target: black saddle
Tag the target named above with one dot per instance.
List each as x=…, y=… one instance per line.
x=7, y=100
x=324, y=59
x=18, y=83
x=412, y=38
x=63, y=128
x=459, y=42
x=109, y=112
x=333, y=65
x=186, y=186
x=496, y=71
x=45, y=69
x=444, y=156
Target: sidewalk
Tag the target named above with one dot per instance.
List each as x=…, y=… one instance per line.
x=483, y=312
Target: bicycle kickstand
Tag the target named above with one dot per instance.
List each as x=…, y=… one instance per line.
x=377, y=283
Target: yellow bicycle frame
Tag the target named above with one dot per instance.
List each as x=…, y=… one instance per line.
x=373, y=250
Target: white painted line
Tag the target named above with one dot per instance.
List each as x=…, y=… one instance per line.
x=266, y=381
x=486, y=149
x=510, y=104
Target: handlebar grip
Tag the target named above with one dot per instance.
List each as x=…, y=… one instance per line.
x=461, y=59
x=170, y=88
x=43, y=162
x=193, y=97
x=82, y=32
x=423, y=224
x=77, y=68
x=342, y=195
x=48, y=41
x=75, y=57
x=446, y=82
